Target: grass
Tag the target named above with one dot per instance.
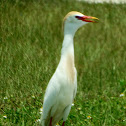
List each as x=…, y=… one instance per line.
x=30, y=43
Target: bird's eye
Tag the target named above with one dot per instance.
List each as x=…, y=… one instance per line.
x=78, y=17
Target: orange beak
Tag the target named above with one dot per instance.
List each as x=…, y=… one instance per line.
x=87, y=18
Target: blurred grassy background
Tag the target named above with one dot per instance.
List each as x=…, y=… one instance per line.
x=30, y=42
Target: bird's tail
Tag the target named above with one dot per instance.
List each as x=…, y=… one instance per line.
x=44, y=122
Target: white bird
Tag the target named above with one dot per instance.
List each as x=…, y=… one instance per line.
x=62, y=87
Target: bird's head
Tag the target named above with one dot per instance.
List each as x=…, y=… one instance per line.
x=74, y=20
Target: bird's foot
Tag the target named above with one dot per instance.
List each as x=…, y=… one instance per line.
x=50, y=124
x=63, y=123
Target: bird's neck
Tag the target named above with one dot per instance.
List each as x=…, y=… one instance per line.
x=68, y=46
x=67, y=57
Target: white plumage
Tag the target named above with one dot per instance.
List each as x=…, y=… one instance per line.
x=62, y=87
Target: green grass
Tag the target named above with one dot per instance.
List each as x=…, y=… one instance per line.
x=30, y=43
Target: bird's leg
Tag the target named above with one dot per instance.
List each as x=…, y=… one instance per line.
x=63, y=123
x=50, y=124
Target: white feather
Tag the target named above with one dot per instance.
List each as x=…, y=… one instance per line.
x=62, y=87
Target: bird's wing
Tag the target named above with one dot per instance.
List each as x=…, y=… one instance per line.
x=50, y=97
x=75, y=84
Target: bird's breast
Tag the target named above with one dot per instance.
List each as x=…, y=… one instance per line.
x=68, y=68
x=66, y=94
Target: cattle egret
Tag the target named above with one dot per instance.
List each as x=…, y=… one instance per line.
x=62, y=87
